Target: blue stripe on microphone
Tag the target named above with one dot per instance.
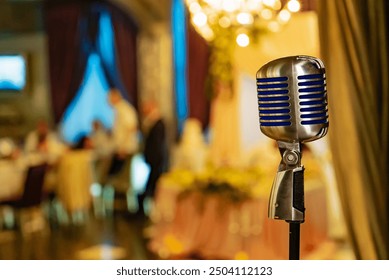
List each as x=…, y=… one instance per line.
x=311, y=76
x=274, y=90
x=275, y=111
x=312, y=83
x=272, y=79
x=269, y=92
x=274, y=105
x=276, y=123
x=320, y=121
x=313, y=109
x=274, y=98
x=265, y=86
x=274, y=118
x=312, y=89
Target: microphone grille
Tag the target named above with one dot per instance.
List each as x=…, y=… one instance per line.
x=292, y=99
x=273, y=101
x=312, y=99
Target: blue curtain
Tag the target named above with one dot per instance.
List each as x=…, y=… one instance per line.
x=105, y=48
x=91, y=102
x=178, y=22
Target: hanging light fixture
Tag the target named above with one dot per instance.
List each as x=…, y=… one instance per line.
x=213, y=17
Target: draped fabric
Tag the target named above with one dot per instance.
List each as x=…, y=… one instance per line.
x=116, y=45
x=125, y=32
x=75, y=31
x=180, y=70
x=65, y=27
x=198, y=62
x=354, y=45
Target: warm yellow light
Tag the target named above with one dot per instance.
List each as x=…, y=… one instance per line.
x=267, y=14
x=194, y=7
x=243, y=40
x=215, y=4
x=274, y=26
x=244, y=18
x=211, y=17
x=230, y=6
x=269, y=3
x=284, y=16
x=294, y=6
x=225, y=22
x=248, y=14
x=200, y=19
x=207, y=33
x=277, y=5
x=254, y=5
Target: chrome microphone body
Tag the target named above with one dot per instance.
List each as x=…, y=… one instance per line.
x=293, y=109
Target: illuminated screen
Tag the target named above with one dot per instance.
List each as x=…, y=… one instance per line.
x=12, y=72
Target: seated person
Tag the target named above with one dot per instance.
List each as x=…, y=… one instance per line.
x=75, y=177
x=43, y=143
x=12, y=170
x=100, y=138
x=103, y=150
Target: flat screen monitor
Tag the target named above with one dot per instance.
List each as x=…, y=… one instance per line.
x=13, y=72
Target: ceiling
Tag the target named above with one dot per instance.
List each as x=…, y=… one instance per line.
x=24, y=16
x=146, y=11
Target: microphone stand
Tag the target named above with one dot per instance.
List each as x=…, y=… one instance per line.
x=287, y=195
x=294, y=241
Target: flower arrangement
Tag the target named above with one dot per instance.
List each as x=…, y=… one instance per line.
x=236, y=184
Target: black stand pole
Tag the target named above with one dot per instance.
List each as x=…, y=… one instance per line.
x=294, y=241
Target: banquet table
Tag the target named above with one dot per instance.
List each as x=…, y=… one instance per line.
x=187, y=224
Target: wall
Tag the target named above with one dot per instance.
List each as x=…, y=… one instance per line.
x=18, y=113
x=155, y=80
x=299, y=36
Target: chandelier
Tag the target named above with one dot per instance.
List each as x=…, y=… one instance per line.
x=243, y=19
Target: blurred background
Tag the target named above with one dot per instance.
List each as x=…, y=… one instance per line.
x=129, y=129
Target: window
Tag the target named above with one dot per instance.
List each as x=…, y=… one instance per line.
x=91, y=101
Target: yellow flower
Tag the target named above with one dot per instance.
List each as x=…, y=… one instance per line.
x=241, y=255
x=173, y=244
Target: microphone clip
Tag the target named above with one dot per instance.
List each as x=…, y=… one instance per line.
x=287, y=194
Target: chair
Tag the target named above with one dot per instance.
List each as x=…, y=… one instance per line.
x=32, y=194
x=116, y=186
x=75, y=178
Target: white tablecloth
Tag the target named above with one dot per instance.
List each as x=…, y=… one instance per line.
x=211, y=226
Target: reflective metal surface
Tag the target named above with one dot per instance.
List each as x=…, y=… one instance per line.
x=292, y=103
x=292, y=99
x=287, y=194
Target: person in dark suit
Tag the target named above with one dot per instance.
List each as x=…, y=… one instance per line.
x=155, y=149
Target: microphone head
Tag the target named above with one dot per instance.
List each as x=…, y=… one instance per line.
x=292, y=99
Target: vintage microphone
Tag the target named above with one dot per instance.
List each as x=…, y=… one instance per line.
x=292, y=103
